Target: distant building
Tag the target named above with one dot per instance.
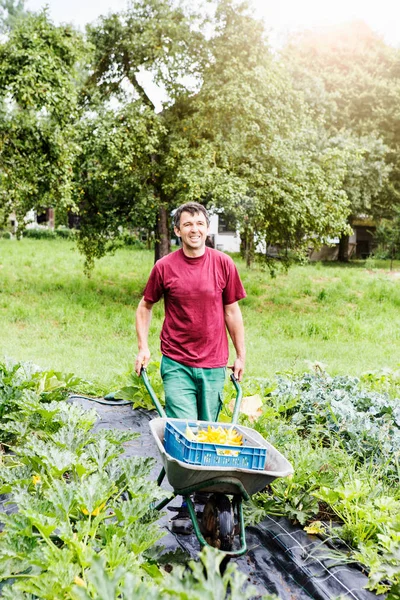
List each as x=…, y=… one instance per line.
x=224, y=234
x=364, y=233
x=34, y=219
x=361, y=243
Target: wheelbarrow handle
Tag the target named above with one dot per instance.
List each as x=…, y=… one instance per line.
x=152, y=393
x=239, y=396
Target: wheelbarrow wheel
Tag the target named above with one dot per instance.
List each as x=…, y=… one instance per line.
x=218, y=522
x=226, y=522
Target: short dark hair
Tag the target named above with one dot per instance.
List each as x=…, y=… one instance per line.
x=192, y=208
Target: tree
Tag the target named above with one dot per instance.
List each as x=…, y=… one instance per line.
x=38, y=106
x=367, y=176
x=388, y=236
x=234, y=130
x=351, y=81
x=112, y=176
x=158, y=37
x=10, y=12
x=264, y=160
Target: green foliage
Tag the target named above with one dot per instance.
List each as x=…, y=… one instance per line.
x=84, y=523
x=113, y=177
x=119, y=173
x=157, y=35
x=203, y=581
x=37, y=66
x=290, y=146
x=362, y=519
x=136, y=391
x=23, y=387
x=49, y=234
x=10, y=12
x=366, y=422
x=385, y=380
x=67, y=484
x=337, y=73
x=244, y=141
x=38, y=105
x=260, y=157
x=40, y=234
x=388, y=236
x=343, y=441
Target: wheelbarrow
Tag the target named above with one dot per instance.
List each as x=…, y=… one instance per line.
x=228, y=476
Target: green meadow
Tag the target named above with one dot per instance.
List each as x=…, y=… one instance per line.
x=346, y=317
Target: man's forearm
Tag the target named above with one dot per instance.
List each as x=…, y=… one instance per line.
x=236, y=332
x=143, y=320
x=234, y=324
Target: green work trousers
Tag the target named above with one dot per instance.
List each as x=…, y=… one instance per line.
x=191, y=392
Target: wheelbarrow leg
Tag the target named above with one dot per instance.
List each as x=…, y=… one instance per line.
x=164, y=502
x=161, y=476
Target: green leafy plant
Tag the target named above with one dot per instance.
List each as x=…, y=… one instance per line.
x=136, y=391
x=84, y=527
x=25, y=389
x=343, y=441
x=76, y=499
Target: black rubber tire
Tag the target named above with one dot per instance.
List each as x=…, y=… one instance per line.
x=226, y=522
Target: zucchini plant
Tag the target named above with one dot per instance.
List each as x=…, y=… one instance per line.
x=77, y=521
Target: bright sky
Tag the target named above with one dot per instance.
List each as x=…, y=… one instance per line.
x=282, y=16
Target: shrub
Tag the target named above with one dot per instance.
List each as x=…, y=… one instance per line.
x=49, y=234
x=39, y=234
x=65, y=233
x=131, y=239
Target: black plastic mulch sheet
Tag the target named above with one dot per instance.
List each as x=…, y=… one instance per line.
x=282, y=559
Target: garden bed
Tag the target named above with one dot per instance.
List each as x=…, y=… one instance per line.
x=72, y=445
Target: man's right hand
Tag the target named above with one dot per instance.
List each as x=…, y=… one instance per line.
x=142, y=360
x=143, y=318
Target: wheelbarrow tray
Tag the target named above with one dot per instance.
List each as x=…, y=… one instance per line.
x=183, y=476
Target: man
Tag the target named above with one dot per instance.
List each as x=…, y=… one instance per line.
x=201, y=289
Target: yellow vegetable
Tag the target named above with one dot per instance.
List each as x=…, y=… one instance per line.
x=190, y=435
x=216, y=435
x=315, y=527
x=96, y=510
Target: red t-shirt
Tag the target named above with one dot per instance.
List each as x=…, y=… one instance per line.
x=195, y=291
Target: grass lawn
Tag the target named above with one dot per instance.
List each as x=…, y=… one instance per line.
x=344, y=316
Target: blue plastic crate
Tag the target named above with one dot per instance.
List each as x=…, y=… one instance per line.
x=180, y=447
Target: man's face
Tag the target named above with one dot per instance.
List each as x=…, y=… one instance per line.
x=193, y=231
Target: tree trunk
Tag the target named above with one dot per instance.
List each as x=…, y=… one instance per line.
x=343, y=255
x=163, y=238
x=247, y=246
